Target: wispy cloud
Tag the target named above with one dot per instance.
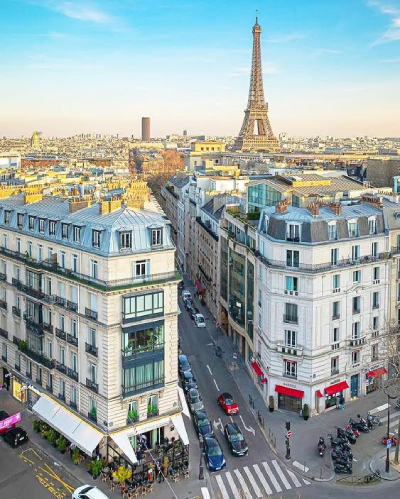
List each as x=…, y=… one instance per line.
x=41, y=61
x=392, y=32
x=267, y=69
x=79, y=10
x=327, y=51
x=286, y=37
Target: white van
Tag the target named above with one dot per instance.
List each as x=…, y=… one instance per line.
x=88, y=492
x=199, y=320
x=186, y=295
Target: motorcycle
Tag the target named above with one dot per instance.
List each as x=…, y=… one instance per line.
x=393, y=437
x=321, y=446
x=340, y=468
x=346, y=434
x=342, y=454
x=354, y=431
x=398, y=404
x=339, y=442
x=375, y=419
x=359, y=426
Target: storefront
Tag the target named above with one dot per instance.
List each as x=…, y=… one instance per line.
x=261, y=379
x=289, y=398
x=18, y=390
x=334, y=391
x=373, y=379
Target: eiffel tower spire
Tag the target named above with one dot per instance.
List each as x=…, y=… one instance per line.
x=256, y=113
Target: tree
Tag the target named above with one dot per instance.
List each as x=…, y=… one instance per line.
x=389, y=343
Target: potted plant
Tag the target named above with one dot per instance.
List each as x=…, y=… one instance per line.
x=96, y=466
x=75, y=455
x=52, y=437
x=123, y=474
x=93, y=413
x=61, y=444
x=306, y=412
x=36, y=426
x=132, y=415
x=22, y=346
x=43, y=429
x=271, y=403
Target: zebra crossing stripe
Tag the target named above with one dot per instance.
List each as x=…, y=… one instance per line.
x=306, y=481
x=232, y=484
x=221, y=486
x=243, y=484
x=281, y=475
x=294, y=478
x=272, y=477
x=393, y=423
x=263, y=481
x=253, y=482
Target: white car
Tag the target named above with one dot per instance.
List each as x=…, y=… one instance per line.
x=199, y=320
x=186, y=295
x=88, y=492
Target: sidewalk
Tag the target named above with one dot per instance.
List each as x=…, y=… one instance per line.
x=183, y=489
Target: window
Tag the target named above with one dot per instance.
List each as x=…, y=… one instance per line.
x=356, y=330
x=18, y=245
x=355, y=252
x=94, y=269
x=74, y=328
x=293, y=232
x=50, y=381
x=125, y=240
x=291, y=283
x=152, y=405
x=335, y=335
x=92, y=372
x=353, y=229
x=29, y=249
x=374, y=249
x=41, y=225
x=96, y=238
x=334, y=366
x=50, y=349
x=77, y=234
x=133, y=411
x=39, y=376
x=138, y=306
x=377, y=273
x=375, y=323
x=61, y=355
x=357, y=276
x=18, y=361
x=92, y=336
x=375, y=299
x=292, y=258
x=74, y=396
x=5, y=240
x=4, y=351
x=20, y=220
x=31, y=223
x=398, y=242
x=156, y=237
x=40, y=252
x=50, y=254
x=52, y=228
x=334, y=256
x=336, y=310
x=375, y=352
x=74, y=362
x=291, y=313
x=74, y=263
x=290, y=338
x=372, y=226
x=64, y=231
x=61, y=322
x=62, y=259
x=355, y=357
x=145, y=339
x=92, y=406
x=290, y=368
x=7, y=217
x=62, y=389
x=356, y=304
x=144, y=377
x=336, y=283
x=49, y=287
x=332, y=231
x=141, y=268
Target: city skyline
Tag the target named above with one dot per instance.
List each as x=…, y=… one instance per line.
x=96, y=67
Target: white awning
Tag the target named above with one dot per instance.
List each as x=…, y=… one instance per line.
x=123, y=442
x=65, y=422
x=148, y=426
x=184, y=405
x=177, y=421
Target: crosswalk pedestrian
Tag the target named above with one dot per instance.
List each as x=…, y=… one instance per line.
x=257, y=481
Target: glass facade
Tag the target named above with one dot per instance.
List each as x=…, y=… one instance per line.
x=262, y=195
x=224, y=268
x=146, y=376
x=146, y=339
x=237, y=269
x=250, y=299
x=138, y=307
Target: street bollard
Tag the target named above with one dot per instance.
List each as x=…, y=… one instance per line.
x=287, y=449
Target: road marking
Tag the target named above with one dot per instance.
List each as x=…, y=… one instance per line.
x=379, y=409
x=272, y=477
x=392, y=415
x=222, y=487
x=215, y=383
x=294, y=478
x=205, y=493
x=281, y=475
x=306, y=481
x=231, y=418
x=209, y=370
x=263, y=481
x=232, y=484
x=209, y=344
x=300, y=466
x=253, y=482
x=218, y=424
x=248, y=428
x=393, y=423
x=243, y=485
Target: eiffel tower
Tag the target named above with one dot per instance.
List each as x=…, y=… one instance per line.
x=257, y=108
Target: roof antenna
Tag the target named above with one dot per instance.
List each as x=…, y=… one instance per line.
x=256, y=16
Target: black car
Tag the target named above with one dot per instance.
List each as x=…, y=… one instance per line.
x=188, y=381
x=187, y=303
x=183, y=364
x=235, y=439
x=202, y=424
x=213, y=455
x=194, y=400
x=193, y=311
x=15, y=437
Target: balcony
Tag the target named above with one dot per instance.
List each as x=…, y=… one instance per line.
x=62, y=368
x=4, y=358
x=34, y=327
x=375, y=305
x=48, y=327
x=60, y=333
x=60, y=301
x=92, y=314
x=335, y=346
x=290, y=376
x=334, y=371
x=61, y=396
x=28, y=375
x=91, y=349
x=72, y=340
x=376, y=281
x=39, y=381
x=17, y=367
x=49, y=388
x=293, y=239
x=288, y=349
x=39, y=358
x=3, y=304
x=291, y=292
x=4, y=333
x=357, y=342
x=153, y=412
x=3, y=277
x=72, y=306
x=16, y=311
x=73, y=405
x=92, y=416
x=127, y=391
x=356, y=311
x=92, y=385
x=16, y=340
x=335, y=317
x=290, y=319
x=72, y=374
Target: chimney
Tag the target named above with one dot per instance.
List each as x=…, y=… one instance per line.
x=78, y=204
x=375, y=201
x=32, y=198
x=109, y=206
x=336, y=208
x=313, y=208
x=281, y=207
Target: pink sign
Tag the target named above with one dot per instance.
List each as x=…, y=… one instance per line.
x=6, y=423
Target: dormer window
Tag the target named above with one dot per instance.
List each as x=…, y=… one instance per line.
x=7, y=217
x=41, y=225
x=372, y=226
x=52, y=228
x=292, y=232
x=77, y=234
x=266, y=219
x=20, y=220
x=353, y=228
x=125, y=240
x=64, y=231
x=96, y=238
x=31, y=223
x=156, y=237
x=332, y=230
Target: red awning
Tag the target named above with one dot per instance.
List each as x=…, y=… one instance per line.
x=199, y=286
x=289, y=391
x=330, y=390
x=257, y=369
x=264, y=380
x=319, y=394
x=377, y=373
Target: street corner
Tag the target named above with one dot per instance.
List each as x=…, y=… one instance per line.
x=378, y=465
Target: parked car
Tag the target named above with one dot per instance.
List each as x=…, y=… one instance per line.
x=183, y=364
x=15, y=437
x=88, y=492
x=236, y=440
x=193, y=312
x=228, y=404
x=194, y=400
x=214, y=457
x=5, y=415
x=188, y=303
x=186, y=295
x=202, y=424
x=199, y=320
x=188, y=381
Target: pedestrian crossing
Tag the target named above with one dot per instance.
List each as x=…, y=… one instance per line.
x=257, y=481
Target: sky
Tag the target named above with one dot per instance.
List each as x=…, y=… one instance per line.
x=330, y=67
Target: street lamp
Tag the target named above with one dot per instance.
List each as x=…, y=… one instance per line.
x=390, y=397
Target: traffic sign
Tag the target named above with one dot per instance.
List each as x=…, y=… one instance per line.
x=234, y=356
x=389, y=443
x=289, y=434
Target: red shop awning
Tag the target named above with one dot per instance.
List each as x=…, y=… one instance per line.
x=264, y=380
x=199, y=286
x=257, y=369
x=289, y=391
x=330, y=390
x=377, y=373
x=319, y=394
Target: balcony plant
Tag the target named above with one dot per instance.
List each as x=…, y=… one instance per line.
x=22, y=346
x=152, y=410
x=93, y=413
x=52, y=437
x=61, y=444
x=132, y=415
x=306, y=412
x=271, y=403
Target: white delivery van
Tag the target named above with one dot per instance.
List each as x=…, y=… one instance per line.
x=88, y=492
x=186, y=295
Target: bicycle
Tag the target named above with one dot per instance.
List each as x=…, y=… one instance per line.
x=375, y=476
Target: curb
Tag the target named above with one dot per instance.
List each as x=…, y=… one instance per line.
x=383, y=477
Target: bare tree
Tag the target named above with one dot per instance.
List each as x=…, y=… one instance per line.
x=389, y=343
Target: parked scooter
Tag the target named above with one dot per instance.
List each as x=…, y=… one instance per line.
x=398, y=404
x=340, y=468
x=375, y=419
x=359, y=426
x=339, y=442
x=355, y=432
x=321, y=446
x=346, y=434
x=342, y=454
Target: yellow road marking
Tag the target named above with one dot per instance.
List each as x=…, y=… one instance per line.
x=53, y=474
